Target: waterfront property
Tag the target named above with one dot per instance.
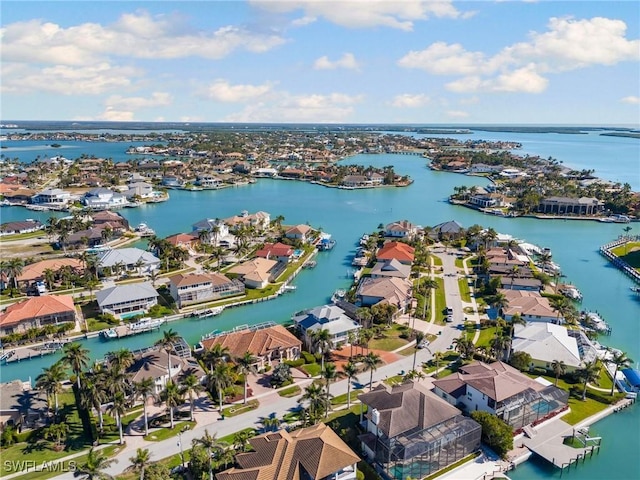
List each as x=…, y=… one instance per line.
x=268, y=344
x=110, y=219
x=136, y=298
x=36, y=312
x=210, y=230
x=195, y=288
x=411, y=432
x=183, y=240
x=314, y=452
x=571, y=206
x=103, y=199
x=260, y=221
x=546, y=343
x=399, y=251
x=500, y=389
x=326, y=317
x=127, y=260
x=391, y=268
x=531, y=306
x=451, y=230
x=391, y=290
x=21, y=406
x=52, y=198
x=256, y=273
x=299, y=232
x=276, y=251
x=152, y=363
x=26, y=226
x=402, y=229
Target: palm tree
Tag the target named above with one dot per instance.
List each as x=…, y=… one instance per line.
x=77, y=357
x=437, y=358
x=49, y=277
x=350, y=371
x=314, y=394
x=559, y=368
x=371, y=362
x=499, y=344
x=619, y=359
x=50, y=381
x=140, y=462
x=190, y=386
x=516, y=319
x=93, y=468
x=121, y=359
x=464, y=346
x=562, y=306
x=169, y=337
x=57, y=432
x=94, y=395
x=172, y=396
x=419, y=338
x=220, y=378
x=212, y=444
x=214, y=355
x=246, y=365
x=13, y=269
x=271, y=423
x=119, y=408
x=588, y=373
x=145, y=389
x=329, y=374
x=322, y=341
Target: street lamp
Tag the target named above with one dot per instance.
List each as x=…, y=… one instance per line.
x=184, y=429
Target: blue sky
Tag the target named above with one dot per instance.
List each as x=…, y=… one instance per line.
x=328, y=61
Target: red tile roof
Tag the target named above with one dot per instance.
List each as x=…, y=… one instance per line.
x=398, y=250
x=275, y=250
x=258, y=342
x=36, y=307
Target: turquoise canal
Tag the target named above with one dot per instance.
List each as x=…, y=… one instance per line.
x=346, y=214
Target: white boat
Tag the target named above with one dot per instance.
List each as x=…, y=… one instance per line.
x=209, y=312
x=571, y=292
x=109, y=334
x=146, y=323
x=338, y=295
x=289, y=288
x=144, y=230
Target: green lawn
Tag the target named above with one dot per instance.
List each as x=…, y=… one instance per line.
x=164, y=433
x=437, y=261
x=234, y=410
x=312, y=369
x=290, y=392
x=630, y=253
x=390, y=339
x=465, y=292
x=441, y=301
x=342, y=399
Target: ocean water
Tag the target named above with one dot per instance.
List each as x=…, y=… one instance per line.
x=347, y=214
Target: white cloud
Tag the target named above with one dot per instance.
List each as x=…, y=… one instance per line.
x=314, y=108
x=112, y=115
x=443, y=59
x=569, y=44
x=631, y=100
x=366, y=13
x=157, y=99
x=138, y=35
x=68, y=80
x=222, y=91
x=408, y=100
x=347, y=61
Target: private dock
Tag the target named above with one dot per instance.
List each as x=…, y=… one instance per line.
x=26, y=353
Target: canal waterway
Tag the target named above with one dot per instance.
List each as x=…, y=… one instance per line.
x=346, y=214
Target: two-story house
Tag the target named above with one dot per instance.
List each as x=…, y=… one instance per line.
x=189, y=289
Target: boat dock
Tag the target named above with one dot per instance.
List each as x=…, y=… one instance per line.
x=26, y=353
x=132, y=329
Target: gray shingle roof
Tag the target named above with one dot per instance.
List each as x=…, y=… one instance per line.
x=125, y=293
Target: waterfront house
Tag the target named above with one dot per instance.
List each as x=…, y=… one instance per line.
x=153, y=364
x=22, y=406
x=531, y=306
x=183, y=240
x=315, y=452
x=141, y=190
x=326, y=317
x=399, y=251
x=127, y=260
x=189, y=289
x=52, y=197
x=450, y=230
x=546, y=343
x=502, y=390
x=26, y=226
x=208, y=181
x=516, y=283
x=299, y=232
x=259, y=221
x=131, y=299
x=171, y=181
x=256, y=273
x=36, y=312
x=401, y=229
x=394, y=291
x=506, y=257
x=412, y=432
x=114, y=220
x=267, y=344
x=35, y=272
x=103, y=199
x=390, y=268
x=210, y=230
x=89, y=237
x=276, y=251
x=571, y=206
